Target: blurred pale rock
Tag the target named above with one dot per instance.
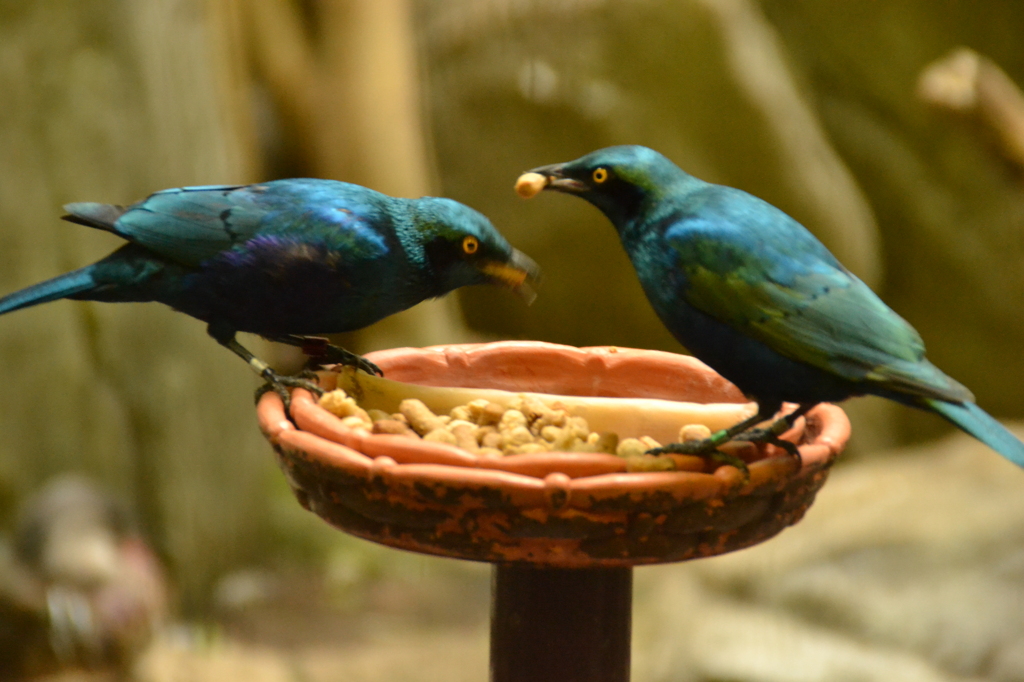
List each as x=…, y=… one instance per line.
x=80, y=590
x=974, y=86
x=906, y=568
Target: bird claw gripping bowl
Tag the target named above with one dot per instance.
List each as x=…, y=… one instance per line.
x=568, y=510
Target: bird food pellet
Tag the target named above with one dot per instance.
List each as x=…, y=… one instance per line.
x=530, y=184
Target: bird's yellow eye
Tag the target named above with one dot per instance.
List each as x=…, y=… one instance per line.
x=600, y=175
x=470, y=244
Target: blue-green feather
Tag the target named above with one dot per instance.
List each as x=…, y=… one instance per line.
x=981, y=425
x=299, y=256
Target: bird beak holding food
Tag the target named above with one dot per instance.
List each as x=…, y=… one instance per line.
x=519, y=273
x=532, y=182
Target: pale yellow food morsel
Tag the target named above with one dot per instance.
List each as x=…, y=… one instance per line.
x=649, y=463
x=491, y=441
x=393, y=427
x=550, y=433
x=694, y=432
x=421, y=419
x=512, y=419
x=649, y=442
x=630, y=447
x=530, y=184
x=464, y=434
x=528, y=449
x=490, y=414
x=440, y=435
x=461, y=413
x=356, y=422
x=484, y=412
x=377, y=415
x=338, y=403
x=519, y=435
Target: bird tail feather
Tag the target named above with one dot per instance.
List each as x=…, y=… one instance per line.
x=75, y=282
x=982, y=426
x=91, y=214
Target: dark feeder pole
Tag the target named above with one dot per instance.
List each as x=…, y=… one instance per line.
x=563, y=531
x=560, y=624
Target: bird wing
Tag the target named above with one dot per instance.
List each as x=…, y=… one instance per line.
x=787, y=291
x=192, y=224
x=187, y=224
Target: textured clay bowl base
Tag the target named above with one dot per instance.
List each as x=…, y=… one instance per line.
x=567, y=510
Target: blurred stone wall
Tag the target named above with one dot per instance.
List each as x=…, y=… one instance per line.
x=109, y=101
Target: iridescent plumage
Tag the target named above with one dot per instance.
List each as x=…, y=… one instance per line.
x=751, y=292
x=286, y=259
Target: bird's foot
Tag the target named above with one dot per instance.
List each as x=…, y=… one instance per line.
x=768, y=435
x=771, y=434
x=322, y=353
x=280, y=383
x=706, y=448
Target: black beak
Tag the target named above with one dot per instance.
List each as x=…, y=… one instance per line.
x=558, y=181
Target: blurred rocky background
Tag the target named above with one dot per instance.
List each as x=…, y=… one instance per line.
x=893, y=130
x=80, y=589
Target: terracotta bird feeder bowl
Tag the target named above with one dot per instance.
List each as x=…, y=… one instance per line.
x=564, y=510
